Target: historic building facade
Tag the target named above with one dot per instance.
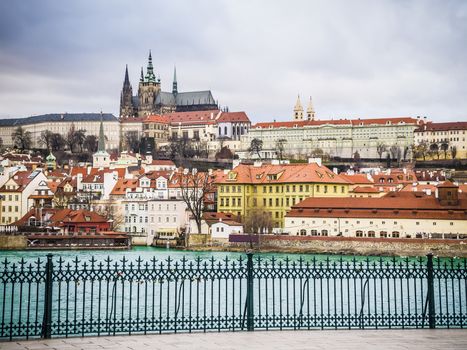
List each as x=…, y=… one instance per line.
x=452, y=134
x=61, y=124
x=336, y=138
x=152, y=100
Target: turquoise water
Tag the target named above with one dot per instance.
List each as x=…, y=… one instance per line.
x=147, y=253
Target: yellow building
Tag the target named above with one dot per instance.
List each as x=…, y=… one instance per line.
x=275, y=188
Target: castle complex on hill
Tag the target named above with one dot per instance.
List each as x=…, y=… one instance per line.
x=152, y=100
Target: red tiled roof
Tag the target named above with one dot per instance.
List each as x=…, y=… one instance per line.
x=430, y=126
x=356, y=122
x=196, y=117
x=162, y=162
x=233, y=117
x=157, y=118
x=394, y=205
x=365, y=189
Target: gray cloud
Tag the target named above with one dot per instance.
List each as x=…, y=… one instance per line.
x=356, y=58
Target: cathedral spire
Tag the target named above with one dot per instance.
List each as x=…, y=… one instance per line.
x=298, y=109
x=174, y=85
x=310, y=111
x=150, y=77
x=141, y=79
x=126, y=82
x=101, y=142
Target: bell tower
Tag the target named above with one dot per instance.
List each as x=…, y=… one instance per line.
x=126, y=98
x=310, y=111
x=298, y=110
x=149, y=88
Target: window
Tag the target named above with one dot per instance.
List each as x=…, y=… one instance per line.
x=395, y=234
x=302, y=232
x=324, y=232
x=314, y=232
x=335, y=189
x=371, y=234
x=325, y=188
x=359, y=233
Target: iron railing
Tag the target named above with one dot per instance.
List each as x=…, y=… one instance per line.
x=55, y=297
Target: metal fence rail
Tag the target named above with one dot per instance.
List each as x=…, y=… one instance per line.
x=53, y=297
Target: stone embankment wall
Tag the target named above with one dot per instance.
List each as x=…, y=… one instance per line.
x=12, y=242
x=359, y=246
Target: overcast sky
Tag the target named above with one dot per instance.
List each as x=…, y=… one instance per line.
x=355, y=58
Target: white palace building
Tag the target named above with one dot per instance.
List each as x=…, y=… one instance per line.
x=337, y=138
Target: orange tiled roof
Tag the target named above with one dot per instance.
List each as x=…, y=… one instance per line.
x=356, y=122
x=283, y=173
x=122, y=184
x=365, y=189
x=356, y=178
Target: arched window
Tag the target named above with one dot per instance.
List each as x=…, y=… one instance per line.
x=225, y=130
x=314, y=232
x=395, y=234
x=359, y=233
x=324, y=232
x=220, y=131
x=302, y=232
x=383, y=234
x=371, y=234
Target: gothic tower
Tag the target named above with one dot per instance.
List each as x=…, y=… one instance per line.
x=310, y=111
x=174, y=84
x=126, y=98
x=149, y=88
x=298, y=110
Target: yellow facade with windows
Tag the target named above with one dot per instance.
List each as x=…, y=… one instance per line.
x=275, y=188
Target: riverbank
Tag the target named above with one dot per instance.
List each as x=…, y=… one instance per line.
x=344, y=246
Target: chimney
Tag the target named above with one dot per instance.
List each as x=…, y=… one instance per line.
x=315, y=160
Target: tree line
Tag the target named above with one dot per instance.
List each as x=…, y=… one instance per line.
x=76, y=140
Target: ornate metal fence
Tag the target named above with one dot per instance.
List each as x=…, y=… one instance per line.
x=53, y=297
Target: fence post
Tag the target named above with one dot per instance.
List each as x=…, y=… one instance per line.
x=431, y=291
x=47, y=321
x=249, y=292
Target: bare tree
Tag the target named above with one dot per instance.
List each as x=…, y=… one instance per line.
x=45, y=139
x=317, y=153
x=70, y=137
x=57, y=142
x=380, y=149
x=195, y=187
x=406, y=152
x=90, y=143
x=79, y=138
x=132, y=141
x=280, y=147
x=21, y=138
x=111, y=212
x=421, y=150
x=258, y=221
x=445, y=148
x=393, y=151
x=453, y=152
x=434, y=149
x=256, y=146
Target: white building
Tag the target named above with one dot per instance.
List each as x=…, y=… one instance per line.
x=61, y=124
x=396, y=215
x=454, y=134
x=337, y=138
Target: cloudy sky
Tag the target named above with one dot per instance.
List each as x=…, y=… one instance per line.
x=356, y=58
